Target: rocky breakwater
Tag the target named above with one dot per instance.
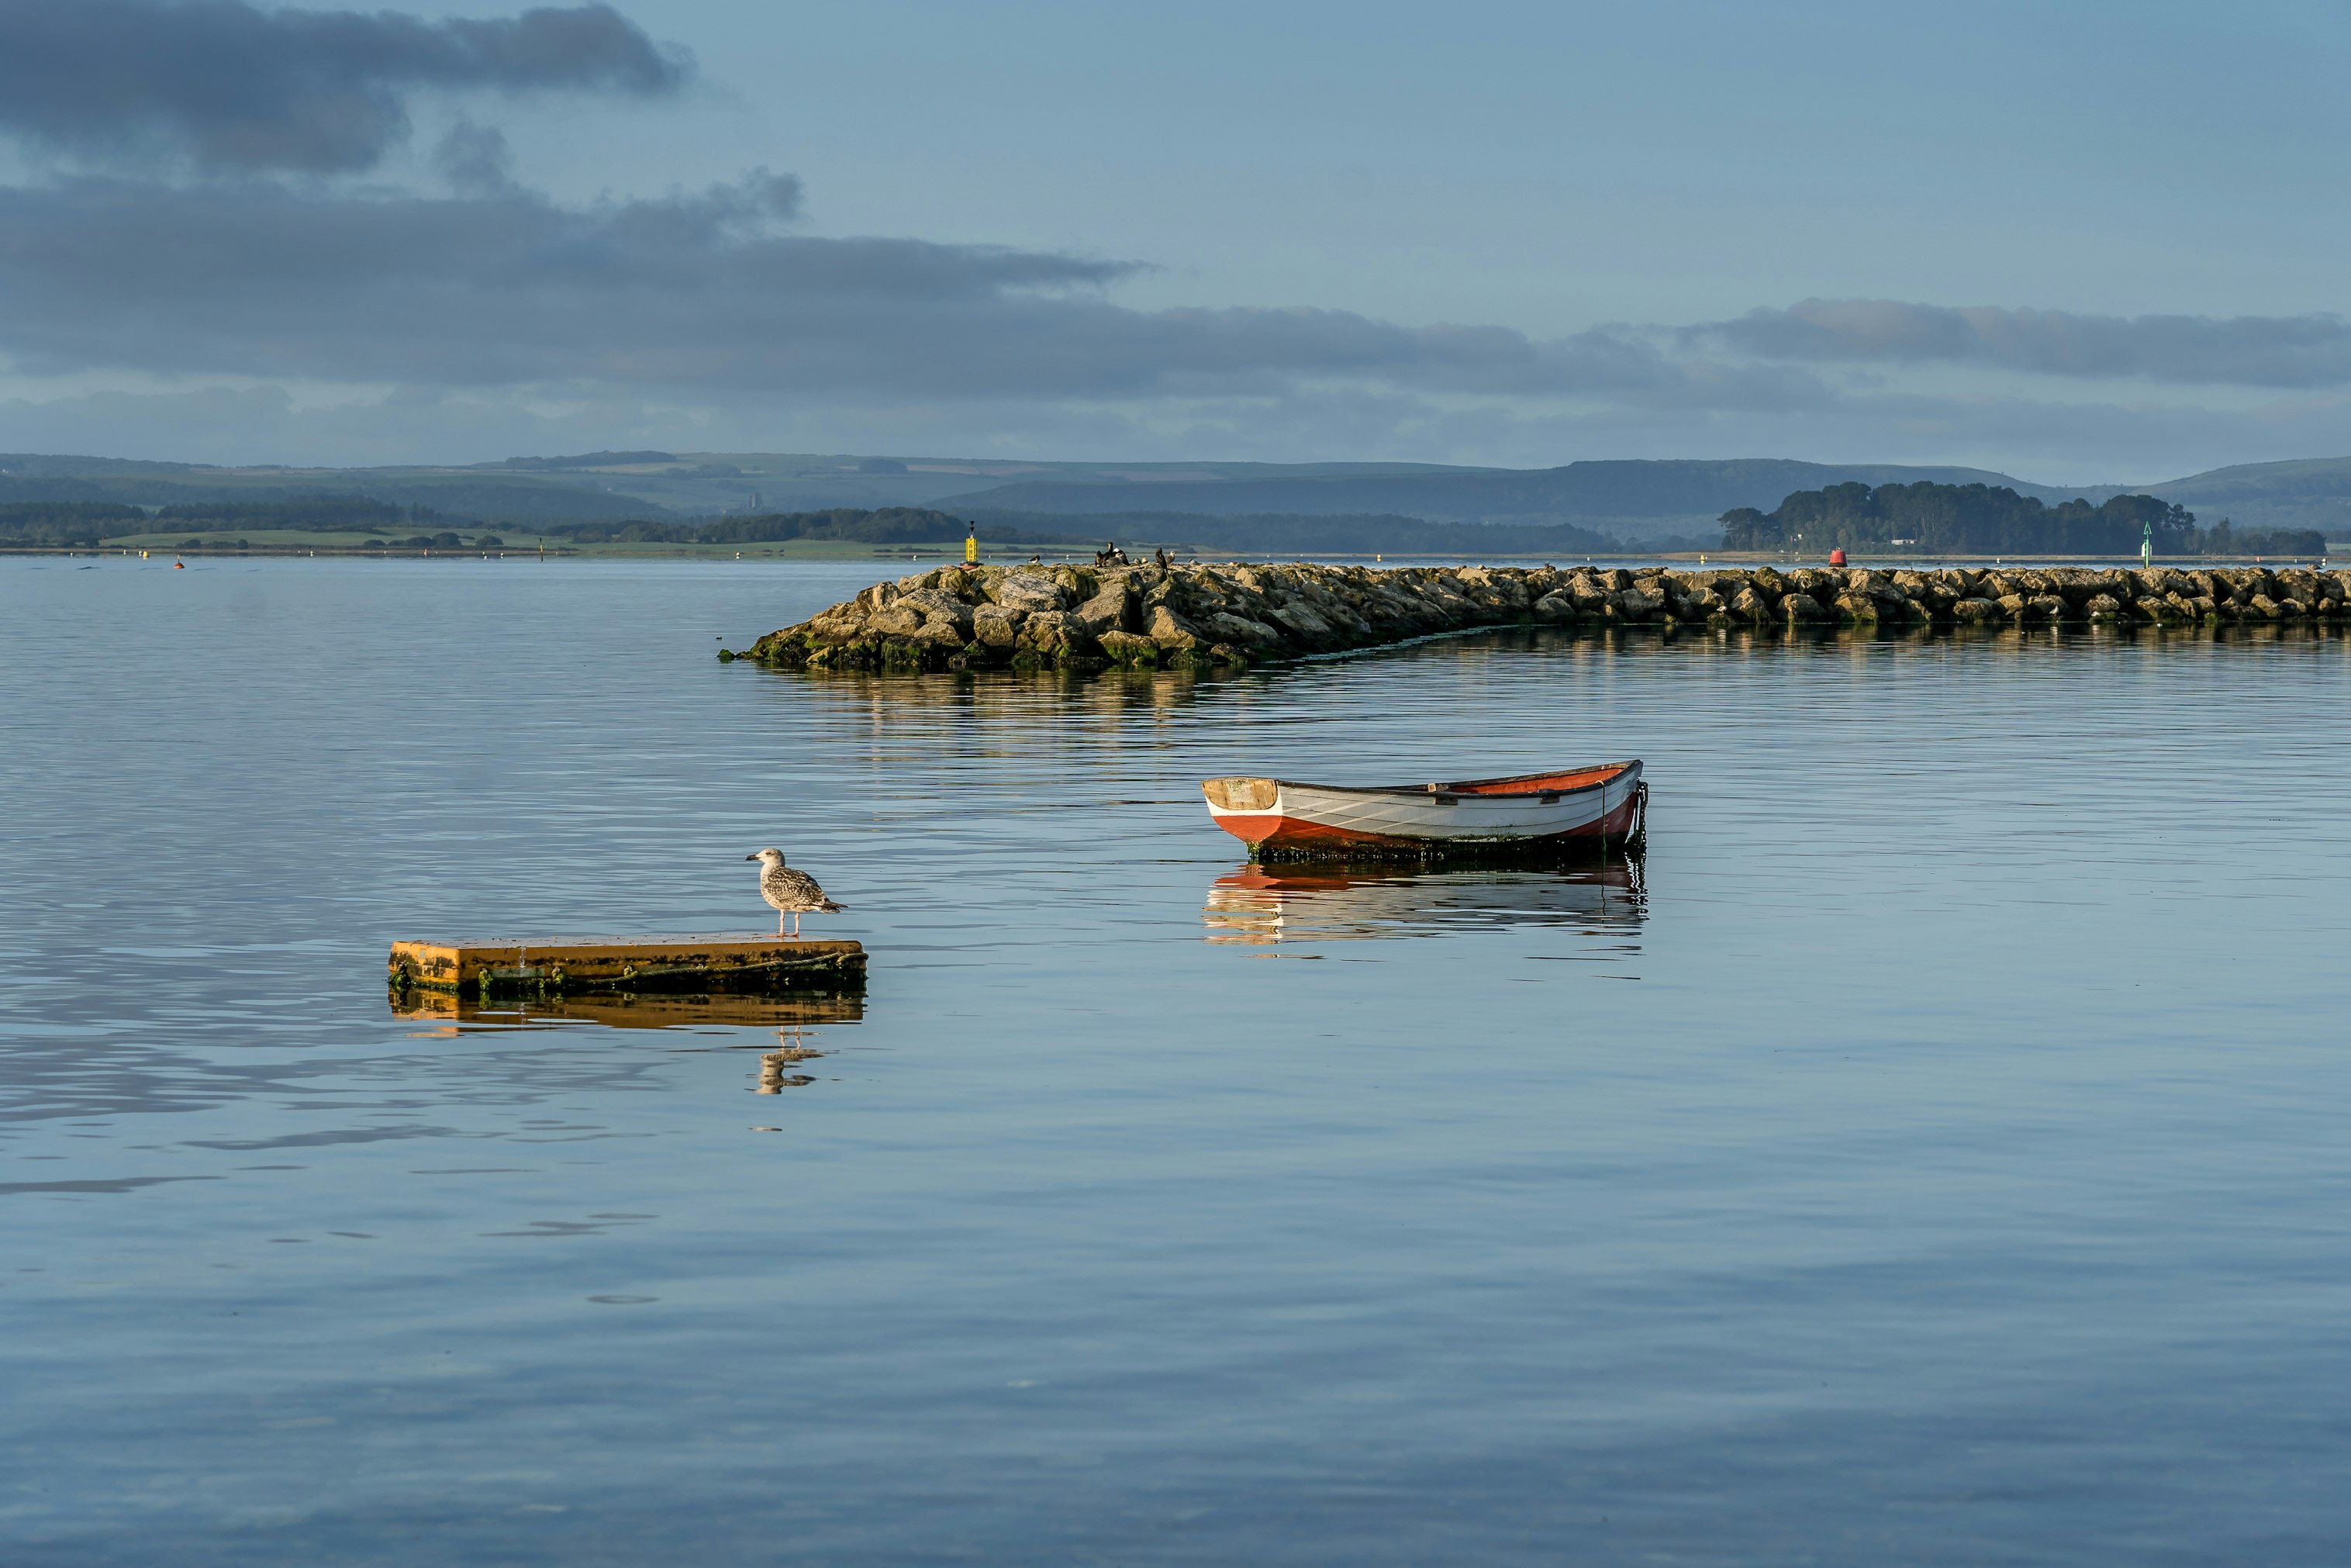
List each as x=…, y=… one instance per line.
x=1034, y=616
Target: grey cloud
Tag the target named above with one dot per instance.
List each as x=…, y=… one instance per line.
x=697, y=293
x=2244, y=350
x=475, y=159
x=236, y=88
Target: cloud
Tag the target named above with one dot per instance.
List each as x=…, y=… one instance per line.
x=702, y=320
x=507, y=321
x=2242, y=350
x=700, y=293
x=475, y=160
x=233, y=88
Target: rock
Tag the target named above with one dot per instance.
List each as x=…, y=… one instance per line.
x=1642, y=601
x=936, y=604
x=1129, y=648
x=1591, y=595
x=1558, y=605
x=994, y=626
x=842, y=623
x=1112, y=610
x=1496, y=589
x=1980, y=612
x=1029, y=590
x=1054, y=632
x=1240, y=629
x=1689, y=599
x=1305, y=624
x=1032, y=616
x=1170, y=631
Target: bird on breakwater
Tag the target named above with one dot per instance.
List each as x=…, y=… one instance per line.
x=789, y=891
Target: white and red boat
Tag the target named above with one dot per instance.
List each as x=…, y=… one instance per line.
x=1280, y=819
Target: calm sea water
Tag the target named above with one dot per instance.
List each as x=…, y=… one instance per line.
x=1936, y=1151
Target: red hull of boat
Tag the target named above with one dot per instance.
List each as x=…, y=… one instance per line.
x=1267, y=831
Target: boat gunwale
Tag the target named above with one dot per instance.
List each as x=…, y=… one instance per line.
x=1612, y=771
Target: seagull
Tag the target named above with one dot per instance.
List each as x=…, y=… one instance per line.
x=792, y=892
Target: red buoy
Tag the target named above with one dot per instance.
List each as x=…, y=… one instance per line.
x=1836, y=558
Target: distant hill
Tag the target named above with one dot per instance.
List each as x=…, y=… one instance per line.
x=1641, y=502
x=1633, y=499
x=2307, y=493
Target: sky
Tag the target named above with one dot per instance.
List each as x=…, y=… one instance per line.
x=2077, y=243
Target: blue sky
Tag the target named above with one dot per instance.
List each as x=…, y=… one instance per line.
x=2081, y=242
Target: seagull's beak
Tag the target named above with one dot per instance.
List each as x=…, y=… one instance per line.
x=750, y=857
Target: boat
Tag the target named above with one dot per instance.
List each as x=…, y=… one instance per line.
x=1280, y=819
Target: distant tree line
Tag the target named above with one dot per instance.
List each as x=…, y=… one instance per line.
x=1279, y=534
x=2222, y=539
x=1982, y=520
x=1258, y=535
x=317, y=514
x=48, y=524
x=51, y=524
x=847, y=525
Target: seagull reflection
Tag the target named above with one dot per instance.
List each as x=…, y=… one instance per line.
x=1265, y=906
x=792, y=1047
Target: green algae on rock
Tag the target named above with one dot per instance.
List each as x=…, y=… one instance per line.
x=1030, y=617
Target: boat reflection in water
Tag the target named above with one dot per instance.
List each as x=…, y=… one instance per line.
x=1267, y=905
x=792, y=1015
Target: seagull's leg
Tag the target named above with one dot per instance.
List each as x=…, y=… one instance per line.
x=796, y=925
x=780, y=922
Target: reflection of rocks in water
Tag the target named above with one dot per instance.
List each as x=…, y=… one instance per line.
x=1263, y=906
x=663, y=1010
